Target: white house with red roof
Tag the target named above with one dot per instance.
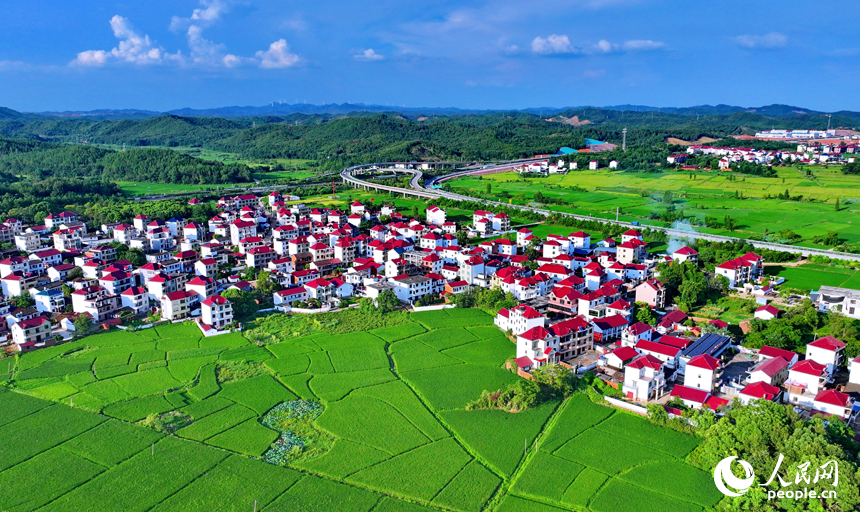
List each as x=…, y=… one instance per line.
x=830, y=401
x=202, y=287
x=767, y=352
x=320, y=289
x=290, y=296
x=436, y=215
x=854, y=371
x=539, y=345
x=31, y=334
x=260, y=257
x=633, y=250
x=55, y=219
x=643, y=378
x=772, y=370
x=608, y=329
x=805, y=379
x=828, y=351
x=685, y=253
x=216, y=312
x=665, y=353
x=135, y=299
x=693, y=398
x=580, y=240
x=523, y=236
x=357, y=208
x=744, y=269
x=635, y=333
x=619, y=357
x=701, y=372
x=176, y=305
x=766, y=312
x=759, y=390
x=240, y=229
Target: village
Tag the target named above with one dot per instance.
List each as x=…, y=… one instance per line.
x=576, y=301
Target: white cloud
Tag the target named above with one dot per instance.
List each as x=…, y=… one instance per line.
x=368, y=55
x=768, y=41
x=641, y=45
x=554, y=44
x=208, y=14
x=561, y=45
x=277, y=56
x=132, y=48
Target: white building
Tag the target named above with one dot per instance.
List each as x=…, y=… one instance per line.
x=216, y=312
x=643, y=378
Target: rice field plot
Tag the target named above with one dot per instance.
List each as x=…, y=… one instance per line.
x=359, y=359
x=216, y=423
x=46, y=476
x=399, y=396
x=317, y=495
x=688, y=483
x=535, y=484
x=577, y=415
x=490, y=352
x=452, y=387
x=498, y=437
x=440, y=339
x=512, y=503
x=248, y=437
x=811, y=277
x=620, y=496
x=144, y=480
x=399, y=332
x=149, y=382
x=583, y=488
x=139, y=408
x=412, y=355
x=231, y=486
x=207, y=384
x=186, y=370
x=343, y=459
x=288, y=365
x=591, y=449
x=257, y=393
x=639, y=430
x=469, y=490
x=16, y=406
x=55, y=391
x=417, y=474
x=111, y=442
x=206, y=407
x=372, y=422
x=44, y=429
x=334, y=386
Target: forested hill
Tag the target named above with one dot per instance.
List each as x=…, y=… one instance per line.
x=38, y=160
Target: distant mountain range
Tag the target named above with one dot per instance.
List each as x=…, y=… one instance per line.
x=284, y=109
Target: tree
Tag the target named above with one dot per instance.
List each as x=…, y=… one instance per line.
x=489, y=188
x=244, y=304
x=25, y=300
x=645, y=314
x=729, y=223
x=387, y=301
x=67, y=290
x=265, y=283
x=667, y=196
x=836, y=204
x=75, y=273
x=83, y=324
x=426, y=300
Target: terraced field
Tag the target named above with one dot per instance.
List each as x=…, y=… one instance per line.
x=393, y=403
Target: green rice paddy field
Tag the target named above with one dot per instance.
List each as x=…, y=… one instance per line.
x=393, y=406
x=709, y=194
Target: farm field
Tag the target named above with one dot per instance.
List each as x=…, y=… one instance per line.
x=809, y=277
x=392, y=434
x=710, y=194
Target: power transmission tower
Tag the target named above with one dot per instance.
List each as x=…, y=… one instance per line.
x=624, y=140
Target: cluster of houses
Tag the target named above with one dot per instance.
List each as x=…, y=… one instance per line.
x=808, y=153
x=559, y=167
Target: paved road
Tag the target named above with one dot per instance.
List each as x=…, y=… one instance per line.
x=419, y=190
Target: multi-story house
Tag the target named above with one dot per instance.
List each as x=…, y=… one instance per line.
x=136, y=299
x=176, y=305
x=216, y=312
x=29, y=334
x=643, y=378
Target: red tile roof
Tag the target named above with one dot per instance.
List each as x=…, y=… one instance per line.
x=760, y=390
x=828, y=343
x=808, y=367
x=705, y=361
x=690, y=394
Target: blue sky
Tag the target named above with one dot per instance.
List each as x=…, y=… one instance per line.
x=160, y=55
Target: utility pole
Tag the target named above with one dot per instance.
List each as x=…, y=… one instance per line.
x=624, y=140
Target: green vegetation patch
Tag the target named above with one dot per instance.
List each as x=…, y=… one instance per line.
x=207, y=384
x=114, y=371
x=252, y=353
x=54, y=368
x=417, y=474
x=299, y=384
x=584, y=487
x=513, y=503
x=46, y=476
x=55, y=391
x=412, y=355
x=469, y=490
x=106, y=390
x=186, y=370
x=687, y=483
x=257, y=393
x=492, y=352
x=288, y=365
x=111, y=442
x=206, y=407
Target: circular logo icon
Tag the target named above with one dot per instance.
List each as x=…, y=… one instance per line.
x=725, y=480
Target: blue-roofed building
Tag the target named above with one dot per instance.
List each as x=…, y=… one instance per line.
x=566, y=151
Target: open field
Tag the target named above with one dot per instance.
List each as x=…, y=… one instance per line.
x=809, y=277
x=707, y=194
x=393, y=413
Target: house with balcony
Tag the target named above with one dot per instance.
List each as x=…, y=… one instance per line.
x=643, y=378
x=216, y=312
x=828, y=351
x=31, y=334
x=136, y=299
x=176, y=305
x=805, y=379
